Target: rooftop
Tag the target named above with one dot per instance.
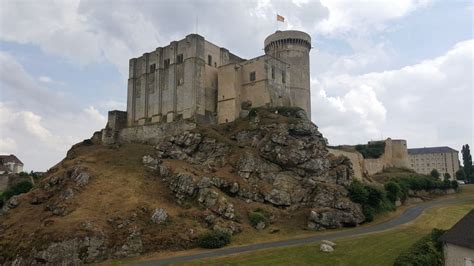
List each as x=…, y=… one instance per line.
x=431, y=150
x=462, y=233
x=10, y=159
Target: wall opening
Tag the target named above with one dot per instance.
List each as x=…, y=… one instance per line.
x=179, y=59
x=252, y=76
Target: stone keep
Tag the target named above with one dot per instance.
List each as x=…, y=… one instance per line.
x=196, y=80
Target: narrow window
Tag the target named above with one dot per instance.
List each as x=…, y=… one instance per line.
x=167, y=63
x=179, y=59
x=283, y=76
x=252, y=76
x=273, y=72
x=209, y=60
x=215, y=64
x=152, y=68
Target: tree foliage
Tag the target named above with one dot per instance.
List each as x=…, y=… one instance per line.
x=467, y=162
x=434, y=173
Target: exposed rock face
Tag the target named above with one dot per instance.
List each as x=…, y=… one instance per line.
x=159, y=216
x=282, y=164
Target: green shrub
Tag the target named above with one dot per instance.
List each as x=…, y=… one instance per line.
x=372, y=150
x=358, y=193
x=454, y=184
x=214, y=239
x=256, y=217
x=368, y=212
x=434, y=173
x=375, y=196
x=22, y=187
x=394, y=191
x=426, y=251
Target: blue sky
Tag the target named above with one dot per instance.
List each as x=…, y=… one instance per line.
x=400, y=69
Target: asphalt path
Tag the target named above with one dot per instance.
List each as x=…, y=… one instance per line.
x=408, y=215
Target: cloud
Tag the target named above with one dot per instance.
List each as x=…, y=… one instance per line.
x=37, y=123
x=364, y=15
x=7, y=145
x=429, y=103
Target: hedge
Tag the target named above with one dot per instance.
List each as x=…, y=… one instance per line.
x=426, y=251
x=214, y=239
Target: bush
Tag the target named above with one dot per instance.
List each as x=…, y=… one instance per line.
x=426, y=251
x=394, y=191
x=256, y=217
x=214, y=239
x=22, y=187
x=372, y=150
x=434, y=173
x=375, y=197
x=372, y=199
x=358, y=193
x=368, y=212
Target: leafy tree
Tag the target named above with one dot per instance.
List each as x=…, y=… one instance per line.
x=460, y=175
x=467, y=162
x=447, y=176
x=393, y=191
x=434, y=173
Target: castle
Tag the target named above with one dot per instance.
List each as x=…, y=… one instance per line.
x=195, y=80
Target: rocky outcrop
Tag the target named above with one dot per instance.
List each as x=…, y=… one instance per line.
x=281, y=164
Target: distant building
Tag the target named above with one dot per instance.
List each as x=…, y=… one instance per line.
x=458, y=242
x=11, y=164
x=443, y=159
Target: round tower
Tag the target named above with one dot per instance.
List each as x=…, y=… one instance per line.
x=293, y=47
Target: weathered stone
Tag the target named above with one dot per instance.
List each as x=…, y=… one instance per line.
x=80, y=176
x=67, y=194
x=260, y=225
x=208, y=197
x=326, y=248
x=183, y=185
x=150, y=162
x=327, y=242
x=159, y=216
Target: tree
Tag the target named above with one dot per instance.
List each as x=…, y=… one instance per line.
x=447, y=176
x=460, y=175
x=467, y=162
x=434, y=173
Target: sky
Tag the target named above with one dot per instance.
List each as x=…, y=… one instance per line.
x=400, y=69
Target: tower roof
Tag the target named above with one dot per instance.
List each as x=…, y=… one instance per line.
x=288, y=34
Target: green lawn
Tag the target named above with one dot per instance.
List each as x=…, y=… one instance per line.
x=375, y=249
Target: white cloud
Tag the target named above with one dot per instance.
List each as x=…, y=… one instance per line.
x=39, y=125
x=45, y=79
x=364, y=15
x=429, y=103
x=7, y=146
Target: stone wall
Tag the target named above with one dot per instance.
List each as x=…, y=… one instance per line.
x=455, y=255
x=395, y=155
x=151, y=134
x=357, y=161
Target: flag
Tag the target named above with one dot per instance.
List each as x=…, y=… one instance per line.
x=280, y=18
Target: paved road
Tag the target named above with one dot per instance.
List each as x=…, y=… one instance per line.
x=408, y=215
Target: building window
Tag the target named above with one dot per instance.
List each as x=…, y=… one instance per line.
x=167, y=63
x=283, y=76
x=252, y=76
x=179, y=59
x=152, y=68
x=209, y=60
x=273, y=72
x=215, y=64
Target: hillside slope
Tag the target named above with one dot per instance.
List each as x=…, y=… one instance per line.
x=105, y=202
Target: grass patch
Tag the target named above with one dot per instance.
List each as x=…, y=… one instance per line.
x=373, y=249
